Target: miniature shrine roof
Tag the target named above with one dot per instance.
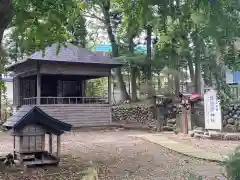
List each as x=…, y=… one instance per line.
x=34, y=115
x=69, y=54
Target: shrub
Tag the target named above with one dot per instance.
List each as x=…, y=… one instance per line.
x=232, y=166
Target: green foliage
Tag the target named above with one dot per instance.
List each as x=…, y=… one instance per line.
x=96, y=87
x=3, y=61
x=190, y=33
x=38, y=24
x=78, y=30
x=232, y=166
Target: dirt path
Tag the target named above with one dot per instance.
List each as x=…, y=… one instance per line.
x=215, y=146
x=129, y=158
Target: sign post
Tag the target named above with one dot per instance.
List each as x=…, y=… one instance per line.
x=186, y=110
x=212, y=111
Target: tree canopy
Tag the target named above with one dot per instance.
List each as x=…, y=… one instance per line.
x=199, y=36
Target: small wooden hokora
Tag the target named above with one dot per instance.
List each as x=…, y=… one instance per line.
x=29, y=133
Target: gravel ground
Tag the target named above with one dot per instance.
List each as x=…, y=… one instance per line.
x=216, y=146
x=130, y=158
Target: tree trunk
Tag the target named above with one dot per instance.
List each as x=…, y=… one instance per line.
x=159, y=82
x=122, y=87
x=176, y=77
x=207, y=76
x=6, y=8
x=197, y=49
x=149, y=54
x=134, y=83
x=190, y=67
x=133, y=71
x=197, y=76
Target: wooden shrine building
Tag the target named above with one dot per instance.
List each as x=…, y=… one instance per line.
x=56, y=84
x=29, y=137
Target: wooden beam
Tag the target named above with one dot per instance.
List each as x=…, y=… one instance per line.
x=50, y=143
x=20, y=148
x=38, y=84
x=26, y=73
x=74, y=69
x=110, y=89
x=43, y=142
x=14, y=147
x=16, y=88
x=58, y=146
x=83, y=88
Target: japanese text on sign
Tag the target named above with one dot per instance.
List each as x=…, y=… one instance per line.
x=212, y=111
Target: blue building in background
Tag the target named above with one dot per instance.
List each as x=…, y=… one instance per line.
x=232, y=77
x=236, y=77
x=103, y=48
x=108, y=48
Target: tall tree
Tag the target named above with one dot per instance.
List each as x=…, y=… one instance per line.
x=6, y=9
x=106, y=5
x=104, y=8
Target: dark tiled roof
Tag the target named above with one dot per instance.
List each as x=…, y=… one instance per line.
x=34, y=115
x=17, y=116
x=72, y=54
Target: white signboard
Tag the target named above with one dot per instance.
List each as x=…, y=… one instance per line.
x=212, y=111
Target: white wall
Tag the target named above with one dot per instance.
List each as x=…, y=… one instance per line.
x=9, y=92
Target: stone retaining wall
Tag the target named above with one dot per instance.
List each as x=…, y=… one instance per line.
x=138, y=114
x=143, y=115
x=231, y=117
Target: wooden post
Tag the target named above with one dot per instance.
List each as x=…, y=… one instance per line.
x=38, y=84
x=14, y=142
x=189, y=119
x=159, y=119
x=14, y=147
x=179, y=122
x=43, y=142
x=83, y=88
x=185, y=114
x=16, y=92
x=20, y=148
x=58, y=146
x=110, y=88
x=50, y=143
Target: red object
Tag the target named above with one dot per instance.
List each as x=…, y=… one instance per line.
x=195, y=96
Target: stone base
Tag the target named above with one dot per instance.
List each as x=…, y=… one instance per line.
x=217, y=136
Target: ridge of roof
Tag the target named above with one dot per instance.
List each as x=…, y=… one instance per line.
x=69, y=54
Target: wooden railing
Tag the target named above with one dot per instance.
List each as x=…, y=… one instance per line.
x=65, y=100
